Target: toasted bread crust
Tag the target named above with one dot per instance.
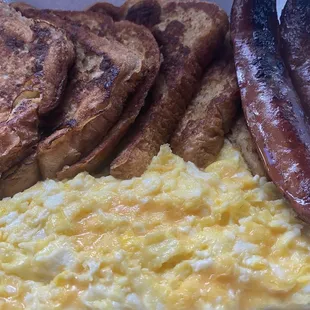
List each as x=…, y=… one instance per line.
x=186, y=53
x=107, y=9
x=91, y=105
x=105, y=73
x=98, y=23
x=241, y=139
x=136, y=37
x=35, y=59
x=20, y=6
x=200, y=134
x=94, y=21
x=142, y=12
x=71, y=21
x=20, y=177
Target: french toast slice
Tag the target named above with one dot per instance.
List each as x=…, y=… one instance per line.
x=240, y=137
x=141, y=12
x=21, y=6
x=199, y=136
x=106, y=72
x=137, y=38
x=189, y=35
x=107, y=9
x=35, y=58
x=21, y=176
x=95, y=21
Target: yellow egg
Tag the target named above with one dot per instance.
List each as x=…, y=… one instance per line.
x=175, y=238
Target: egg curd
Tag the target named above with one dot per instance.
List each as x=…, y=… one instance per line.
x=175, y=238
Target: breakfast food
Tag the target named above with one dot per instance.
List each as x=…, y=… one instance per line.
x=203, y=230
x=107, y=9
x=105, y=74
x=295, y=33
x=116, y=65
x=101, y=24
x=141, y=12
x=278, y=123
x=35, y=58
x=176, y=238
x=141, y=39
x=138, y=41
x=20, y=176
x=20, y=6
x=94, y=102
x=241, y=139
x=186, y=52
x=199, y=136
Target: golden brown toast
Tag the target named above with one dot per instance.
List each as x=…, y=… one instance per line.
x=137, y=38
x=35, y=57
x=105, y=74
x=21, y=176
x=70, y=21
x=108, y=69
x=95, y=21
x=107, y=9
x=20, y=6
x=141, y=12
x=241, y=139
x=200, y=134
x=186, y=53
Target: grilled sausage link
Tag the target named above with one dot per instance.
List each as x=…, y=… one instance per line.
x=295, y=33
x=273, y=111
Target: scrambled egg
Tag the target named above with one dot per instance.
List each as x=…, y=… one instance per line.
x=175, y=238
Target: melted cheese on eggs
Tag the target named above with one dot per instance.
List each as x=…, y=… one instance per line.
x=175, y=238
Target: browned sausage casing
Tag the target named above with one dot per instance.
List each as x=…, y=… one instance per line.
x=295, y=33
x=272, y=108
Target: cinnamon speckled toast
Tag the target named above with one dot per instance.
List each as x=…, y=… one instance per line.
x=108, y=9
x=35, y=57
x=199, y=136
x=105, y=73
x=242, y=140
x=189, y=35
x=141, y=12
x=21, y=176
x=135, y=38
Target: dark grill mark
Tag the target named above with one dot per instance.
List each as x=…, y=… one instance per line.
x=110, y=72
x=14, y=44
x=40, y=48
x=144, y=13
